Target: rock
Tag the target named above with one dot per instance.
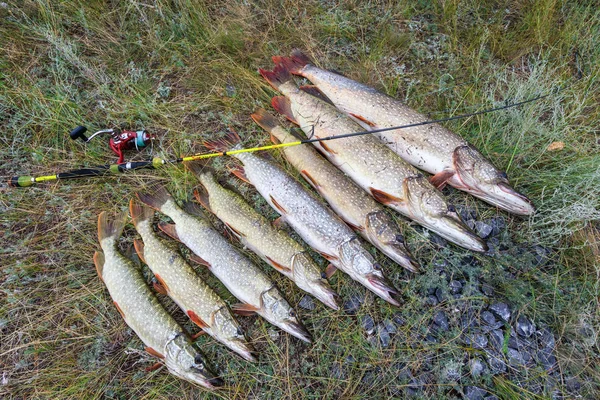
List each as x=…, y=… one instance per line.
x=501, y=310
x=488, y=290
x=488, y=318
x=451, y=372
x=496, y=338
x=368, y=324
x=337, y=371
x=398, y=320
x=483, y=230
x=498, y=224
x=439, y=293
x=307, y=303
x=477, y=367
x=497, y=366
x=432, y=301
x=515, y=358
x=573, y=385
x=437, y=240
x=542, y=254
x=373, y=341
x=384, y=335
x=547, y=359
x=468, y=320
x=389, y=326
x=477, y=341
x=352, y=305
x=430, y=338
x=230, y=90
x=455, y=287
x=466, y=213
x=441, y=320
x=350, y=359
x=474, y=393
x=273, y=334
x=491, y=397
x=524, y=327
x=546, y=338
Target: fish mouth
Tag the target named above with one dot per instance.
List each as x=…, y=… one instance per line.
x=502, y=195
x=382, y=288
x=400, y=254
x=296, y=329
x=326, y=295
x=244, y=349
x=451, y=227
x=202, y=377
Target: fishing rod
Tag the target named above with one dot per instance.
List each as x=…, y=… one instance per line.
x=138, y=138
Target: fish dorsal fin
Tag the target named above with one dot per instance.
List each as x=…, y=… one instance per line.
x=384, y=197
x=365, y=122
x=138, y=245
x=169, y=229
x=316, y=92
x=197, y=320
x=199, y=260
x=330, y=270
x=309, y=178
x=278, y=206
x=439, y=180
x=326, y=148
x=282, y=105
x=154, y=353
x=99, y=263
x=328, y=257
x=162, y=282
x=278, y=266
x=227, y=142
x=244, y=309
x=234, y=231
x=239, y=172
x=159, y=288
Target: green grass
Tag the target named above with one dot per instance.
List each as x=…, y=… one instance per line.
x=186, y=72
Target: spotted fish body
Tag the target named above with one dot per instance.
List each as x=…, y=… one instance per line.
x=371, y=164
x=430, y=147
x=140, y=309
x=240, y=276
x=255, y=232
x=178, y=280
x=316, y=224
x=349, y=201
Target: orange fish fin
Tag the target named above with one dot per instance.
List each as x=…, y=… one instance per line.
x=169, y=229
x=384, y=197
x=99, y=263
x=154, y=367
x=234, y=231
x=282, y=105
x=159, y=288
x=162, y=282
x=309, y=178
x=327, y=256
x=199, y=260
x=265, y=120
x=196, y=319
x=279, y=223
x=278, y=266
x=155, y=197
x=197, y=335
x=223, y=144
x=439, y=180
x=278, y=206
x=110, y=228
x=153, y=352
x=139, y=249
x=355, y=227
x=139, y=212
x=201, y=195
x=277, y=77
x=330, y=270
x=316, y=92
x=119, y=309
x=327, y=148
x=294, y=63
x=238, y=171
x=363, y=119
x=244, y=309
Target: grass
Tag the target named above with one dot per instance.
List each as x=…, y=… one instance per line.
x=186, y=71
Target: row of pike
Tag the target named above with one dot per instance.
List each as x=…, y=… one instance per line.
x=368, y=174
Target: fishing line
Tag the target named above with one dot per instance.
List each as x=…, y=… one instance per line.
x=156, y=162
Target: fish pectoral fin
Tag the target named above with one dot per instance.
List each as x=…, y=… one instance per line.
x=282, y=105
x=199, y=260
x=119, y=309
x=315, y=91
x=383, y=197
x=244, y=309
x=363, y=120
x=278, y=206
x=162, y=282
x=237, y=233
x=328, y=257
x=99, y=263
x=277, y=266
x=439, y=180
x=330, y=270
x=159, y=288
x=238, y=171
x=197, y=320
x=154, y=367
x=326, y=148
x=356, y=228
x=197, y=335
x=154, y=353
x=309, y=178
x=169, y=229
x=138, y=245
x=279, y=223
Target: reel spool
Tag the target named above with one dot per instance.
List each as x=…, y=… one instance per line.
x=119, y=140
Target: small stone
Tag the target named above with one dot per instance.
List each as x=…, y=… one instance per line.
x=547, y=360
x=439, y=293
x=501, y=310
x=483, y=230
x=474, y=393
x=373, y=341
x=491, y=397
x=515, y=358
x=496, y=338
x=337, y=371
x=573, y=385
x=350, y=359
x=488, y=290
x=468, y=320
x=352, y=305
x=451, y=372
x=389, y=326
x=477, y=340
x=455, y=287
x=488, y=318
x=384, y=335
x=368, y=324
x=398, y=320
x=466, y=213
x=307, y=303
x=273, y=334
x=441, y=320
x=546, y=338
x=477, y=367
x=430, y=338
x=432, y=301
x=497, y=366
x=524, y=326
x=230, y=90
x=438, y=240
x=498, y=224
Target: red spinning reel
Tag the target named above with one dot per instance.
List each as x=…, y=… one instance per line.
x=119, y=140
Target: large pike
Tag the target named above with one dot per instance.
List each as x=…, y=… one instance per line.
x=179, y=281
x=240, y=276
x=140, y=309
x=257, y=233
x=370, y=163
x=349, y=201
x=431, y=148
x=318, y=225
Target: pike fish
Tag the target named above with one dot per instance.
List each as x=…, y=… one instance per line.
x=179, y=281
x=240, y=276
x=316, y=224
x=432, y=148
x=140, y=309
x=350, y=202
x=255, y=232
x=370, y=163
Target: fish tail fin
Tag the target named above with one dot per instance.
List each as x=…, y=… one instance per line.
x=277, y=77
x=294, y=63
x=155, y=197
x=231, y=140
x=265, y=120
x=283, y=106
x=139, y=213
x=110, y=228
x=200, y=168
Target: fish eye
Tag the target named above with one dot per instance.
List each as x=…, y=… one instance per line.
x=503, y=175
x=240, y=331
x=451, y=208
x=292, y=313
x=198, y=360
x=399, y=238
x=323, y=275
x=377, y=266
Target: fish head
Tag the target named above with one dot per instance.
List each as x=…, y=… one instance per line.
x=308, y=278
x=185, y=362
x=366, y=270
x=483, y=180
x=381, y=230
x=229, y=331
x=278, y=311
x=428, y=206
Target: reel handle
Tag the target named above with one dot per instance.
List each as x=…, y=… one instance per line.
x=78, y=132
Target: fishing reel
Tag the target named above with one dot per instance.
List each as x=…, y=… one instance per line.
x=120, y=140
